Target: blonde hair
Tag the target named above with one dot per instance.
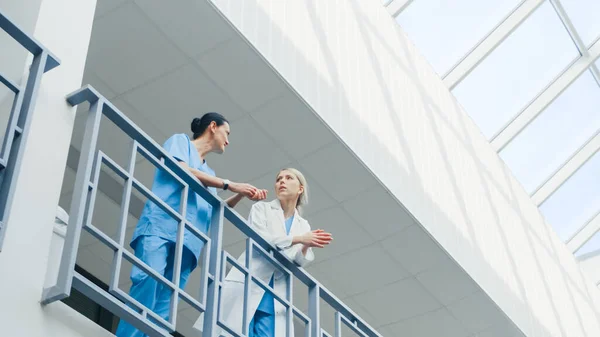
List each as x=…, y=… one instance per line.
x=303, y=198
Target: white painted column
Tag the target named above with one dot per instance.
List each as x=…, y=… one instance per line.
x=64, y=27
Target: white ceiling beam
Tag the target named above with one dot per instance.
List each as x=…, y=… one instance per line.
x=567, y=169
x=566, y=20
x=490, y=42
x=397, y=6
x=548, y=96
x=562, y=14
x=584, y=234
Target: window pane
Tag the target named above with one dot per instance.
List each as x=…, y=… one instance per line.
x=584, y=15
x=524, y=64
x=445, y=30
x=556, y=134
x=574, y=203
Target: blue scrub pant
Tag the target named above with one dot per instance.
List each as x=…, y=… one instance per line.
x=262, y=325
x=159, y=254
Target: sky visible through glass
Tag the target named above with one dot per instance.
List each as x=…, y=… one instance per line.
x=511, y=77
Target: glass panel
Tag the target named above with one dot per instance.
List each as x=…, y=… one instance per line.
x=445, y=30
x=524, y=64
x=556, y=134
x=584, y=15
x=574, y=203
x=590, y=246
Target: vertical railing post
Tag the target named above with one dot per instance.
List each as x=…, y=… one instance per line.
x=289, y=314
x=338, y=324
x=125, y=200
x=78, y=207
x=214, y=268
x=314, y=312
x=247, y=283
x=178, y=256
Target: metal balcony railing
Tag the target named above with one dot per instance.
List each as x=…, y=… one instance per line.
x=17, y=129
x=215, y=258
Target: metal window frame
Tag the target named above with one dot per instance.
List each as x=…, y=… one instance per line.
x=589, y=55
x=17, y=131
x=86, y=185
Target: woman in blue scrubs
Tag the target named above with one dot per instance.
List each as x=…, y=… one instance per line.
x=279, y=222
x=155, y=235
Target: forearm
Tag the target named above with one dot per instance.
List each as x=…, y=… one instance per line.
x=300, y=240
x=206, y=179
x=234, y=199
x=297, y=239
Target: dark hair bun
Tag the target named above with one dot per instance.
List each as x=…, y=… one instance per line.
x=196, y=125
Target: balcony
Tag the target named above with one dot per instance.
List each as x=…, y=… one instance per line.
x=86, y=198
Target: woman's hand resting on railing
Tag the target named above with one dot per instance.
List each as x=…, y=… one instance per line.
x=317, y=239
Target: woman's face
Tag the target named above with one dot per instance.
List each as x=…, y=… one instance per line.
x=221, y=137
x=287, y=186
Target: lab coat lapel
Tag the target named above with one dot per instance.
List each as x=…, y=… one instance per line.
x=277, y=215
x=295, y=223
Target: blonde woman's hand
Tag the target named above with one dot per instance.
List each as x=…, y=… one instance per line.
x=244, y=189
x=317, y=238
x=259, y=195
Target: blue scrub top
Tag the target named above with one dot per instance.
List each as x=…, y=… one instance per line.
x=154, y=221
x=267, y=303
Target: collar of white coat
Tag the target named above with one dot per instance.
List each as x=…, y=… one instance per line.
x=275, y=204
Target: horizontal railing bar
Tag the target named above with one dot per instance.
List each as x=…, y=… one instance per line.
x=121, y=172
x=192, y=301
x=155, y=199
x=102, y=237
x=229, y=330
x=145, y=311
x=234, y=262
x=264, y=286
x=352, y=326
x=196, y=232
x=147, y=269
x=159, y=164
x=302, y=316
x=115, y=306
x=263, y=253
x=10, y=84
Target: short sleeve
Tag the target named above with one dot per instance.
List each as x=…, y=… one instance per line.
x=178, y=146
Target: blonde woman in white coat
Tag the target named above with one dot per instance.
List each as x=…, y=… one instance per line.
x=280, y=223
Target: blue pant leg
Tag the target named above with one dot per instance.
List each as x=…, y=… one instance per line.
x=188, y=264
x=153, y=251
x=262, y=325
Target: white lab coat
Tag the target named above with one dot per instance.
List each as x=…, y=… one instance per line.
x=267, y=219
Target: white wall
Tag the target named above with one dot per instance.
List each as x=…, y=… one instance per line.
x=64, y=26
x=355, y=67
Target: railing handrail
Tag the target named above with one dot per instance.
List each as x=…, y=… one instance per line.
x=28, y=42
x=90, y=95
